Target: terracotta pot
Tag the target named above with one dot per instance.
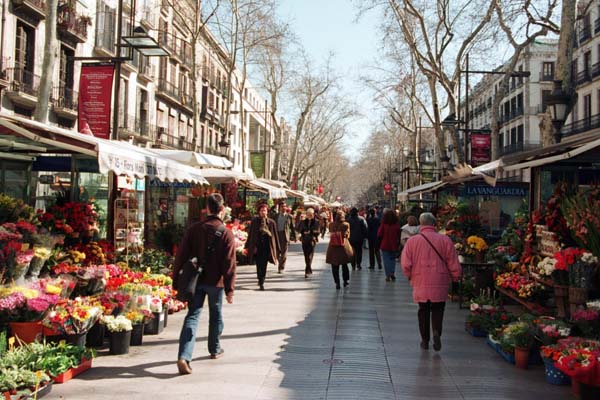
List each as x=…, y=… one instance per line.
x=521, y=357
x=27, y=332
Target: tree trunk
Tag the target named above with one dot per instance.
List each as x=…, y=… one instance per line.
x=42, y=109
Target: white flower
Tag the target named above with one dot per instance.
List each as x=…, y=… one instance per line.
x=589, y=258
x=564, y=332
x=593, y=304
x=117, y=324
x=546, y=266
x=474, y=306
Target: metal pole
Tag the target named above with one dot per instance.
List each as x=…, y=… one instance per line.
x=467, y=112
x=267, y=147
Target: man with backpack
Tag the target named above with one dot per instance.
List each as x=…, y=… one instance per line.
x=214, y=248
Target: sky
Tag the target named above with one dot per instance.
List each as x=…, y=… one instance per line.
x=325, y=26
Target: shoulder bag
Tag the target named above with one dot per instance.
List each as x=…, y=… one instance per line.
x=436, y=250
x=192, y=269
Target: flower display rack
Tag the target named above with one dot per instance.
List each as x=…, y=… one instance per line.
x=531, y=306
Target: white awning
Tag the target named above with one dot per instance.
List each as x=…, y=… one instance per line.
x=424, y=188
x=194, y=159
x=215, y=175
x=296, y=193
x=272, y=191
x=122, y=158
x=559, y=157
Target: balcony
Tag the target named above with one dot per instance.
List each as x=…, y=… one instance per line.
x=72, y=26
x=4, y=82
x=597, y=25
x=138, y=129
x=32, y=8
x=546, y=77
x=64, y=102
x=583, y=77
x=582, y=125
x=174, y=94
x=520, y=146
x=24, y=87
x=596, y=70
x=505, y=117
x=585, y=33
x=168, y=140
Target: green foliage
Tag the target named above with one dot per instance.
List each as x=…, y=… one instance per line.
x=157, y=260
x=169, y=236
x=12, y=210
x=3, y=343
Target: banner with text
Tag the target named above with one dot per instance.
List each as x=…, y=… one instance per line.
x=95, y=99
x=480, y=149
x=257, y=163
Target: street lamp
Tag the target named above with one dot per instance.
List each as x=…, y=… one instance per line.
x=557, y=103
x=445, y=161
x=144, y=43
x=224, y=145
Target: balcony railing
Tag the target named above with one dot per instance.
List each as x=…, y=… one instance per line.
x=178, y=142
x=65, y=97
x=545, y=77
x=520, y=146
x=73, y=24
x=585, y=33
x=582, y=125
x=174, y=92
x=24, y=81
x=583, y=77
x=596, y=70
x=34, y=8
x=137, y=126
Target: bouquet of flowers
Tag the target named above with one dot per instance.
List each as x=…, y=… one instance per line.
x=579, y=359
x=138, y=315
x=581, y=211
x=582, y=271
x=564, y=260
x=516, y=334
x=117, y=324
x=73, y=317
x=587, y=322
x=524, y=287
x=71, y=219
x=549, y=330
x=31, y=303
x=545, y=268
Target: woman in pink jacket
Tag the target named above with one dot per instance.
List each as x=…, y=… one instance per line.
x=430, y=263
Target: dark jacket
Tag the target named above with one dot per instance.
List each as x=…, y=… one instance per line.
x=220, y=266
x=309, y=230
x=288, y=229
x=358, y=228
x=338, y=255
x=253, y=236
x=373, y=226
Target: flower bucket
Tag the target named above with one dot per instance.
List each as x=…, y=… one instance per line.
x=95, y=336
x=78, y=339
x=27, y=332
x=166, y=312
x=137, y=335
x=521, y=357
x=155, y=325
x=577, y=297
x=554, y=376
x=561, y=298
x=589, y=392
x=119, y=342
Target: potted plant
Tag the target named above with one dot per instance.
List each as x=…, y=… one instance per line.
x=137, y=317
x=549, y=330
x=587, y=322
x=519, y=336
x=120, y=333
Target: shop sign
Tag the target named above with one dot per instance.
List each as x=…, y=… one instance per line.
x=480, y=148
x=513, y=191
x=257, y=163
x=95, y=98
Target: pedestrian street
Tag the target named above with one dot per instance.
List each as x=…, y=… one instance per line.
x=303, y=339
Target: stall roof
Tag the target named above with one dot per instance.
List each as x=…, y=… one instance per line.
x=195, y=159
x=122, y=158
x=215, y=175
x=274, y=192
x=295, y=193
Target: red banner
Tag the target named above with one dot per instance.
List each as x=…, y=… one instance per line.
x=480, y=148
x=95, y=99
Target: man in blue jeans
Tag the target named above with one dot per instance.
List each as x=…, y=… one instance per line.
x=214, y=247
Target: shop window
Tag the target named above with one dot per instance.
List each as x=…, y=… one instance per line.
x=14, y=179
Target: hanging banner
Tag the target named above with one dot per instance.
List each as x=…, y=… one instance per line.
x=480, y=149
x=95, y=99
x=257, y=163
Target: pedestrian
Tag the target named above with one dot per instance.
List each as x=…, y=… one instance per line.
x=285, y=234
x=430, y=263
x=262, y=245
x=211, y=242
x=358, y=234
x=373, y=222
x=324, y=217
x=389, y=236
x=309, y=236
x=339, y=251
x=410, y=229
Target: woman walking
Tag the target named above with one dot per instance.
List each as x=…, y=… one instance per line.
x=339, y=251
x=262, y=245
x=373, y=223
x=389, y=235
x=309, y=235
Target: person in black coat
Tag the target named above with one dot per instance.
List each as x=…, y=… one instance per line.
x=358, y=234
x=373, y=222
x=309, y=229
x=262, y=245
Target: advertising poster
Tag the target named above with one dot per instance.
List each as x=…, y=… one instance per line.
x=480, y=149
x=95, y=99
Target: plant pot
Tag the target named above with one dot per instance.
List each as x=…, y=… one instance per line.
x=561, y=298
x=155, y=325
x=119, y=342
x=166, y=312
x=577, y=297
x=78, y=339
x=589, y=392
x=95, y=336
x=521, y=357
x=137, y=335
x=26, y=332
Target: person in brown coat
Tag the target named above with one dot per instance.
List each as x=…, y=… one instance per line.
x=339, y=253
x=262, y=245
x=218, y=278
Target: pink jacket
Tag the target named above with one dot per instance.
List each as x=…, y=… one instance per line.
x=429, y=277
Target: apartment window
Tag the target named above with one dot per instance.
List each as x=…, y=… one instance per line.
x=587, y=107
x=587, y=62
x=123, y=100
x=598, y=101
x=547, y=71
x=500, y=141
x=173, y=72
x=105, y=27
x=127, y=31
x=143, y=111
x=162, y=69
x=520, y=134
x=513, y=135
x=545, y=96
x=24, y=51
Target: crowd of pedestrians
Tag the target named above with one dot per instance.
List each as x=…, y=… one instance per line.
x=428, y=260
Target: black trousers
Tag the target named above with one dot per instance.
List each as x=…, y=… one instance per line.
x=335, y=270
x=308, y=248
x=435, y=312
x=358, y=253
x=283, y=247
x=261, y=266
x=374, y=253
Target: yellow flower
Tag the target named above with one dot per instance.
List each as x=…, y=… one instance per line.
x=53, y=289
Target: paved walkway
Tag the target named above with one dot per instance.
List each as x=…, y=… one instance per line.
x=302, y=339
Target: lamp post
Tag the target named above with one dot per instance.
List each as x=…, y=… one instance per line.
x=557, y=103
x=445, y=162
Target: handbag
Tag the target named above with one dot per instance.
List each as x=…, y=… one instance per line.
x=436, y=251
x=336, y=239
x=191, y=271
